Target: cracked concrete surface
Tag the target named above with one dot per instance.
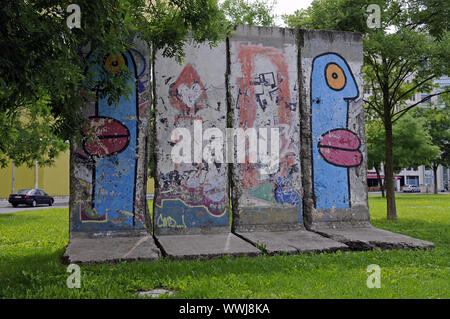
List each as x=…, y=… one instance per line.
x=292, y=242
x=369, y=237
x=111, y=249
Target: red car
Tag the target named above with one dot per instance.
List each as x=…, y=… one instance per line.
x=30, y=197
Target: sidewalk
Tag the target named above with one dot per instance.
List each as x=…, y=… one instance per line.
x=439, y=193
x=60, y=202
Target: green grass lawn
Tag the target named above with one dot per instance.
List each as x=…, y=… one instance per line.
x=31, y=244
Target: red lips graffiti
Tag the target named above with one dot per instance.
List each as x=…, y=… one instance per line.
x=340, y=147
x=105, y=136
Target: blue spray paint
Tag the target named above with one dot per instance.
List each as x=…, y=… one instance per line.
x=114, y=177
x=284, y=192
x=332, y=86
x=174, y=213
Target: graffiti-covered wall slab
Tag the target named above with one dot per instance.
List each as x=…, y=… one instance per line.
x=263, y=92
x=109, y=166
x=333, y=152
x=191, y=118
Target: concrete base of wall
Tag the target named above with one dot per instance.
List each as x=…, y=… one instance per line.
x=111, y=249
x=292, y=242
x=89, y=249
x=191, y=231
x=205, y=246
x=369, y=237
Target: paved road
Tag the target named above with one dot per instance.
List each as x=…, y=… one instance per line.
x=379, y=193
x=6, y=207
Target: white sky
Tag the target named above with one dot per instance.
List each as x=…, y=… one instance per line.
x=289, y=7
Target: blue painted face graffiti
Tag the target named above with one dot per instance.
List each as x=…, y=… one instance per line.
x=334, y=147
x=111, y=144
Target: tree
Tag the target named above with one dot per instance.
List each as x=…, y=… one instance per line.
x=431, y=16
x=42, y=73
x=413, y=144
x=257, y=12
x=437, y=123
x=375, y=144
x=344, y=15
x=28, y=135
x=391, y=60
x=401, y=58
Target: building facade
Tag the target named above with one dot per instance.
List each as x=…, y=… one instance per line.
x=422, y=177
x=54, y=179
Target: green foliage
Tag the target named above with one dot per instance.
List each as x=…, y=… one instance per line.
x=343, y=15
x=437, y=123
x=33, y=242
x=257, y=12
x=413, y=145
x=375, y=143
x=41, y=60
x=397, y=66
x=430, y=16
x=29, y=131
x=401, y=58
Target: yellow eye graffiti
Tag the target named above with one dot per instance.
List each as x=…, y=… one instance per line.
x=335, y=76
x=113, y=63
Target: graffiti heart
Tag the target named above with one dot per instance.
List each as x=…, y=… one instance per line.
x=187, y=94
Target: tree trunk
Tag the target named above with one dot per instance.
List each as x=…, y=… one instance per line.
x=435, y=167
x=389, y=171
x=13, y=178
x=36, y=174
x=380, y=182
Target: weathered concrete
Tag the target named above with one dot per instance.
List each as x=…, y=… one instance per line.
x=263, y=86
x=263, y=93
x=296, y=156
x=366, y=238
x=205, y=246
x=109, y=217
x=111, y=249
x=108, y=170
x=191, y=195
x=333, y=152
x=191, y=198
x=292, y=242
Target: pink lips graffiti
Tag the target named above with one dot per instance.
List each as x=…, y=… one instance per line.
x=340, y=147
x=105, y=136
